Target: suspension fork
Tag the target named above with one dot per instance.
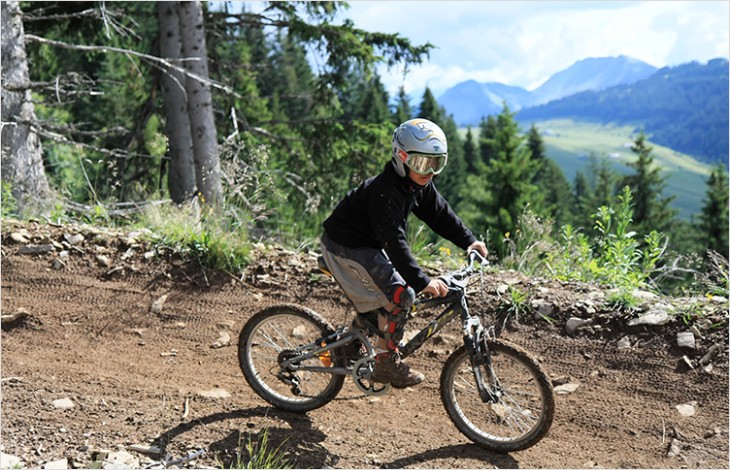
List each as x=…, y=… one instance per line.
x=475, y=341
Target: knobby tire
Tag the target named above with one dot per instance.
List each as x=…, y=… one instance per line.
x=519, y=418
x=285, y=328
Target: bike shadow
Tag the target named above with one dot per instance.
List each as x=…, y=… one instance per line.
x=461, y=451
x=302, y=441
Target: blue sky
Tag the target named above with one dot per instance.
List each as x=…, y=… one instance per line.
x=523, y=43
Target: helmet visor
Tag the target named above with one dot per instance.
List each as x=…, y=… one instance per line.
x=424, y=164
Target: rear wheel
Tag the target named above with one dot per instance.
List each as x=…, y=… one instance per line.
x=522, y=406
x=283, y=332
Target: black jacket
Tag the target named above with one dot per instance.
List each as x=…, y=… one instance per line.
x=375, y=215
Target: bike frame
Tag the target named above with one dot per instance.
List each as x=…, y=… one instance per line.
x=457, y=305
x=456, y=300
x=339, y=339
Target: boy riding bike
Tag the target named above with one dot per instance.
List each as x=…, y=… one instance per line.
x=364, y=241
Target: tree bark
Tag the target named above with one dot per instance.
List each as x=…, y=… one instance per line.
x=22, y=154
x=200, y=103
x=181, y=174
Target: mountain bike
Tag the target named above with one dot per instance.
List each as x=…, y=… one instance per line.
x=494, y=392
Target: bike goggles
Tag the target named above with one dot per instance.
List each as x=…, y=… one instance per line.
x=424, y=164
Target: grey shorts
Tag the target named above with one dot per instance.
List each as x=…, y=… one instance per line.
x=365, y=274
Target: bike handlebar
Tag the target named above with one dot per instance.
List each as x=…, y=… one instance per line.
x=456, y=276
x=455, y=280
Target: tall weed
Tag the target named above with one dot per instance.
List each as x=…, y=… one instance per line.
x=613, y=257
x=531, y=240
x=261, y=454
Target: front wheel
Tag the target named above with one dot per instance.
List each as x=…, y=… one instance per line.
x=281, y=333
x=520, y=408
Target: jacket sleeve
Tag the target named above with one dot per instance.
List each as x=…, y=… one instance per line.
x=388, y=218
x=434, y=210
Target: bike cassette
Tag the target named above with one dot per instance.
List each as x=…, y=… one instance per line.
x=362, y=370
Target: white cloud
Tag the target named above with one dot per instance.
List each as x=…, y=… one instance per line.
x=524, y=43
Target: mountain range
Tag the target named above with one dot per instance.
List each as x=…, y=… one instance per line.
x=469, y=101
x=684, y=107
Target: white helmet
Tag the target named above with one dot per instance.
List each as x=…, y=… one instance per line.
x=420, y=145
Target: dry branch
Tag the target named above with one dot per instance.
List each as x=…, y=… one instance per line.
x=146, y=57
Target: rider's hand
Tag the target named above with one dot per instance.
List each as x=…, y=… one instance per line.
x=436, y=288
x=479, y=247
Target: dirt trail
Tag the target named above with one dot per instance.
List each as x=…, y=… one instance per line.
x=137, y=374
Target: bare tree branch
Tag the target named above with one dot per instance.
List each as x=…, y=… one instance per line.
x=42, y=129
x=146, y=57
x=69, y=129
x=265, y=133
x=91, y=12
x=109, y=17
x=117, y=209
x=67, y=84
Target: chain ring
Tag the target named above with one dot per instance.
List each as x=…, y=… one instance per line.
x=361, y=372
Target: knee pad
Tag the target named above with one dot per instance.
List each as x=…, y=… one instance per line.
x=404, y=297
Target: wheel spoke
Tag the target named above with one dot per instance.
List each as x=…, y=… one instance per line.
x=521, y=409
x=271, y=336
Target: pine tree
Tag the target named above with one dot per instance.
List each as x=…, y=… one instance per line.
x=200, y=103
x=430, y=109
x=604, y=182
x=556, y=193
x=582, y=197
x=713, y=219
x=542, y=203
x=373, y=104
x=470, y=152
x=402, y=111
x=502, y=189
x=452, y=182
x=181, y=167
x=283, y=74
x=553, y=196
x=595, y=188
x=487, y=133
x=651, y=211
x=536, y=146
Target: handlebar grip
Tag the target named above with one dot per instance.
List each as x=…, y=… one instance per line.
x=474, y=255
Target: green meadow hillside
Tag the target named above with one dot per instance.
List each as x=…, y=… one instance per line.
x=570, y=144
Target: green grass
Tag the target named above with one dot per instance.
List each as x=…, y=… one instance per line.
x=216, y=242
x=261, y=454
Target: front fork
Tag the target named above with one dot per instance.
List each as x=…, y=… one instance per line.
x=475, y=340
